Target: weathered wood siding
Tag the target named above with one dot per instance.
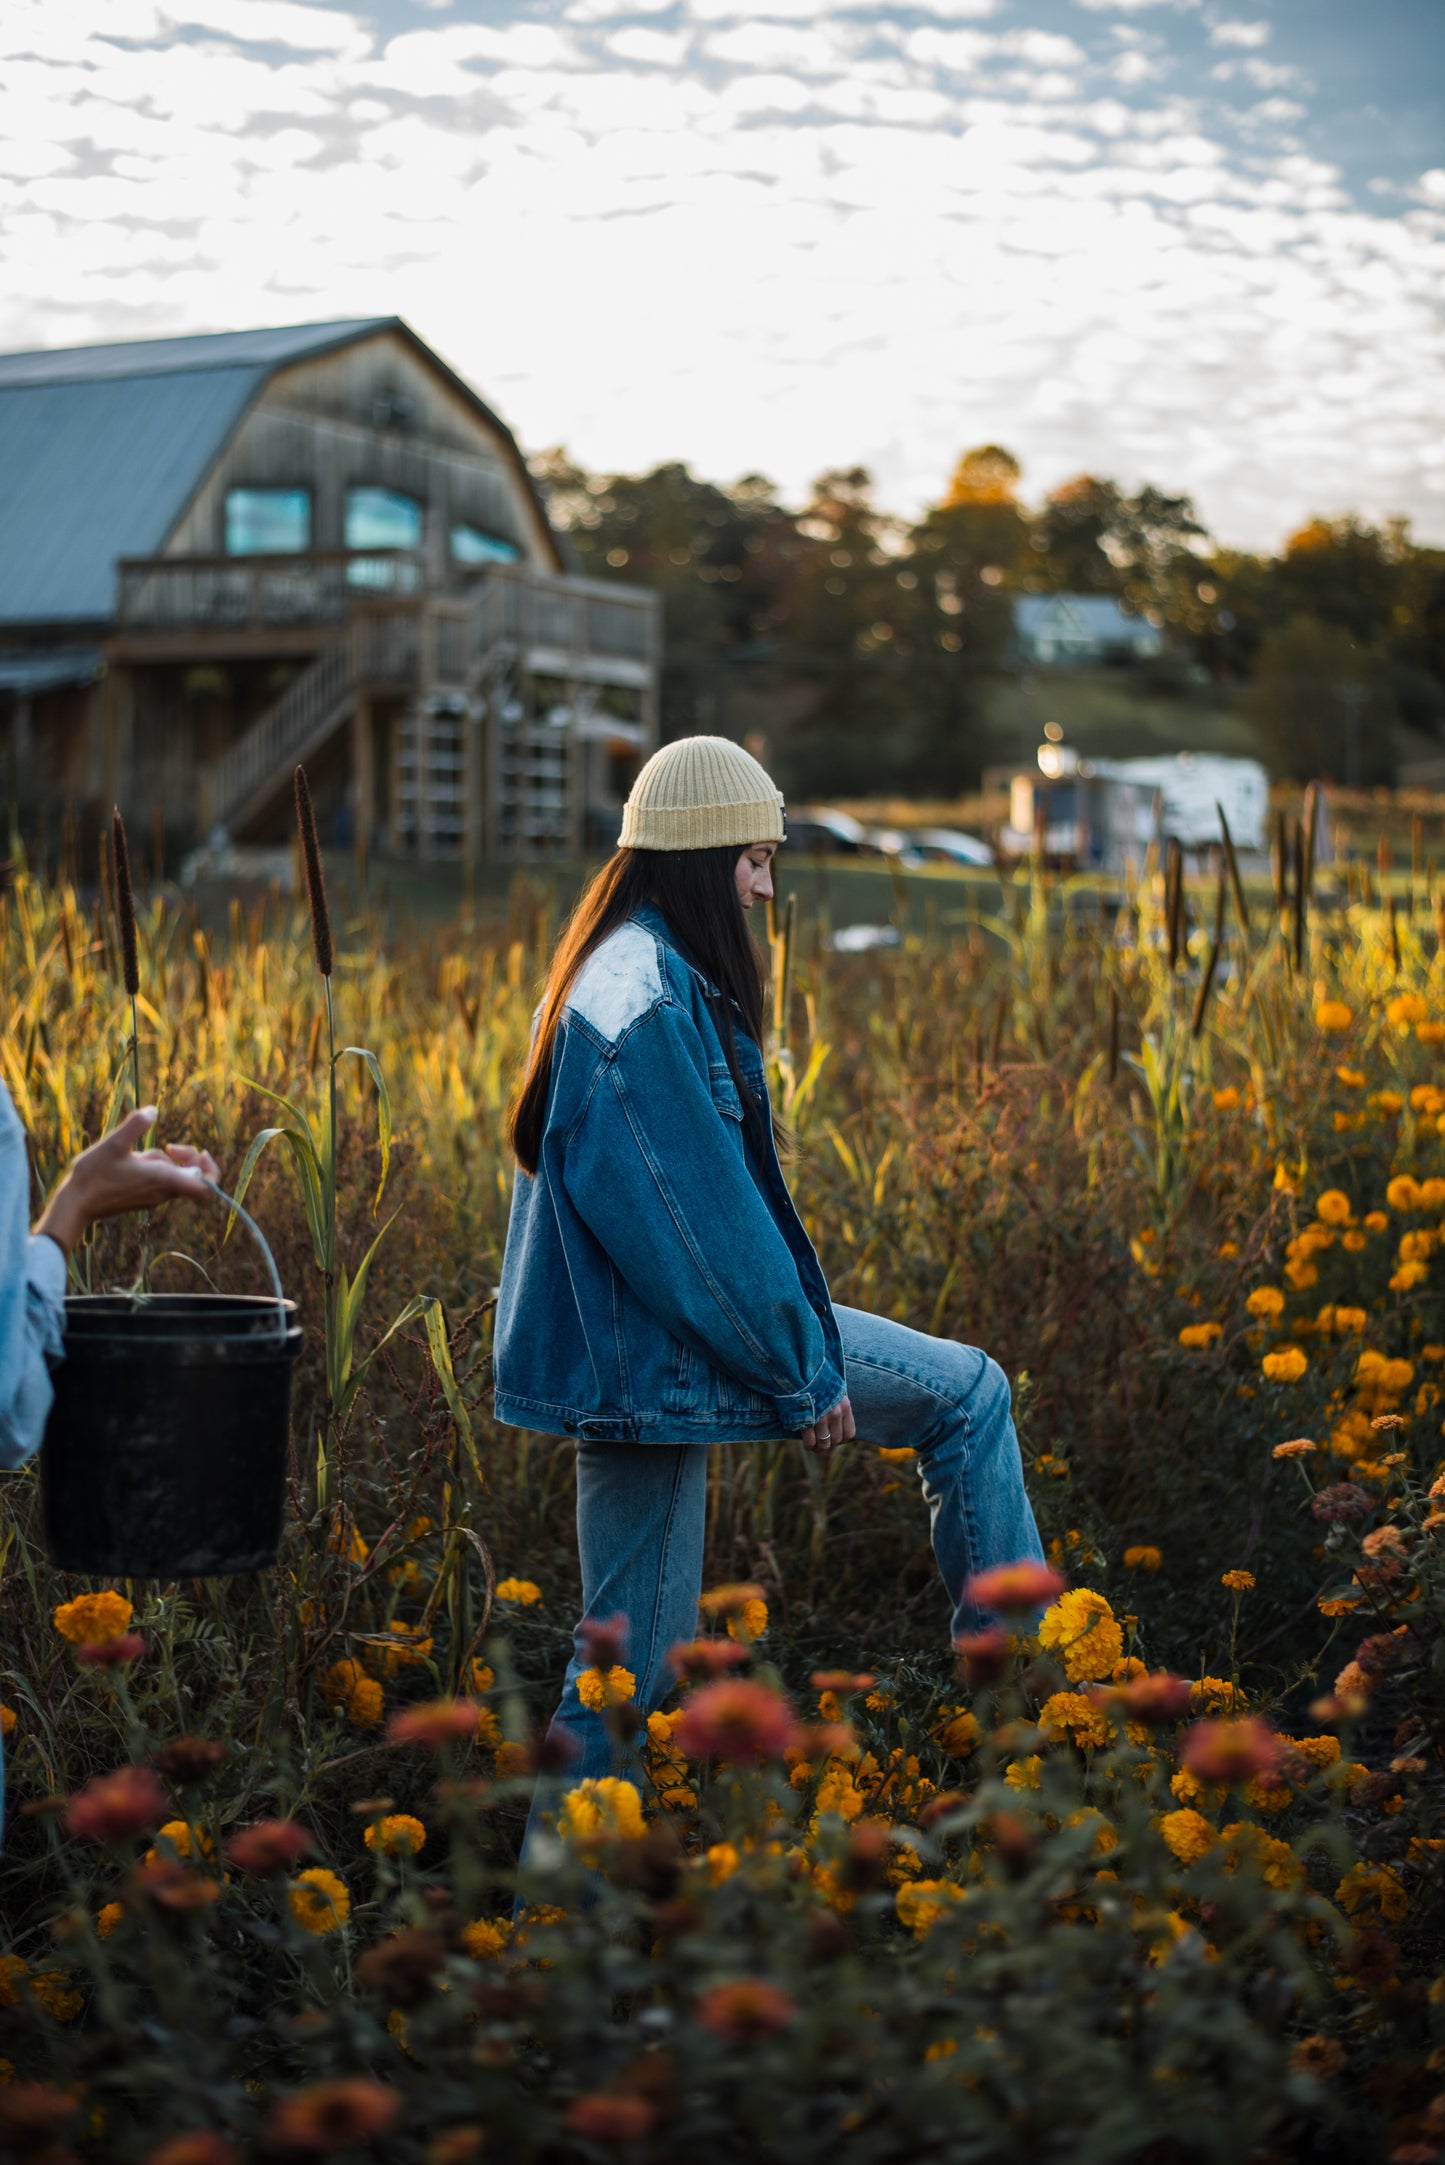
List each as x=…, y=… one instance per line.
x=316, y=426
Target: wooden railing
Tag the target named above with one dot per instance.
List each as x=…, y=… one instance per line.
x=518, y=606
x=380, y=648
x=160, y=593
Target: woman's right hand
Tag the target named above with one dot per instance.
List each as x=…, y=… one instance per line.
x=112, y=1177
x=835, y=1426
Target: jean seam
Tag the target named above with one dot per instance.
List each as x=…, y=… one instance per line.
x=664, y=1562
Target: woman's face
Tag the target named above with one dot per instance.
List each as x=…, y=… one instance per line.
x=754, y=873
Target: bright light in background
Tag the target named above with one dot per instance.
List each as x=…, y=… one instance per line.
x=774, y=240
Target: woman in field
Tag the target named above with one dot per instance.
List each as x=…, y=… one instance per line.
x=659, y=1293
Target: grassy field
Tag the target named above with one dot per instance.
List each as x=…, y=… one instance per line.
x=1156, y=1882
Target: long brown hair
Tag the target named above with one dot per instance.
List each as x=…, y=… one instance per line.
x=696, y=891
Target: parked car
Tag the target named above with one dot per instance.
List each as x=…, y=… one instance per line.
x=956, y=848
x=815, y=830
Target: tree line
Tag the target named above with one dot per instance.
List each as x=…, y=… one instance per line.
x=863, y=647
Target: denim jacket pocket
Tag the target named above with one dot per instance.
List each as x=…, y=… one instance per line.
x=725, y=1094
x=680, y=1392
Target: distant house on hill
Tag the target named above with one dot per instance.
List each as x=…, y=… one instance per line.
x=1075, y=630
x=221, y=555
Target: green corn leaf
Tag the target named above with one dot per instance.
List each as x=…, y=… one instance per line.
x=308, y=1175
x=383, y=1110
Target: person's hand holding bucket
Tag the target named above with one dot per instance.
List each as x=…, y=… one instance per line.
x=113, y=1177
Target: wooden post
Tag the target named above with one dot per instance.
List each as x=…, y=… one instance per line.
x=363, y=771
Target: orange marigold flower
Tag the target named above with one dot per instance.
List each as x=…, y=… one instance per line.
x=729, y=1600
x=749, y=1623
x=1285, y=1367
x=1332, y=1017
x=597, y=1691
x=525, y=1592
x=1318, y=2055
x=201, y=2147
x=1265, y=1300
x=1334, y=1208
x=1142, y=1557
x=1297, y=1447
x=92, y=1618
x=1199, y=1337
x=330, y=2116
x=1082, y=1627
x=1239, y=1582
x=746, y=2012
x=396, y=1835
x=319, y=1901
x=602, y=1808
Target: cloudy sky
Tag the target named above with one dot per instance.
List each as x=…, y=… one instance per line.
x=1199, y=242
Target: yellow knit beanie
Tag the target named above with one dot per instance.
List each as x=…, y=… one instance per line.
x=701, y=793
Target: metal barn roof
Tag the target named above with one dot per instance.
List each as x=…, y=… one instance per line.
x=102, y=447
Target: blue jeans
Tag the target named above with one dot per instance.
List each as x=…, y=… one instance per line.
x=642, y=1507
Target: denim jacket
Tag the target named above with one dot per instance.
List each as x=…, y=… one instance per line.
x=32, y=1301
x=658, y=1286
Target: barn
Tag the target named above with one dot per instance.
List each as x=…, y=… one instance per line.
x=220, y=555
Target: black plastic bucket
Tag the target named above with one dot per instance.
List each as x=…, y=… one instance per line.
x=165, y=1453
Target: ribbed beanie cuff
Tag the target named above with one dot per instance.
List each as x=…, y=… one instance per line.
x=702, y=793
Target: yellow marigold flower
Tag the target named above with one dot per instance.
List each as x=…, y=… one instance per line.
x=1200, y=1335
x=397, y=1835
x=523, y=1591
x=1338, y=1604
x=1265, y=1300
x=319, y=1901
x=1406, y=1009
x=1226, y=1249
x=1353, y=1078
x=1376, y=1221
x=956, y=1730
x=1238, y=1582
x=487, y=1937
x=921, y=1902
x=1225, y=1101
x=1323, y=1751
x=601, y=1809
x=1106, y=1837
x=750, y=1622
x=1216, y=1694
x=489, y=1729
x=1333, y=1207
x=1302, y=1274
x=1287, y=1179
x=1297, y=1447
x=1373, y=1889
x=1142, y=1557
x=900, y=1455
x=1285, y=1367
x=1276, y=1862
x=365, y=1704
x=1403, y=1192
x=1080, y=1624
x=838, y=1792
x=91, y=1618
x=107, y=1919
x=1333, y=1017
x=1408, y=1276
x=1070, y=1714
x=403, y=1649
x=1350, y=1319
x=1024, y=1773
x=178, y=1834
x=512, y=1762
x=1386, y=1103
x=1188, y=1834
x=722, y=1860
x=597, y=1691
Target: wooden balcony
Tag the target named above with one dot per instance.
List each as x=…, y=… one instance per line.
x=175, y=607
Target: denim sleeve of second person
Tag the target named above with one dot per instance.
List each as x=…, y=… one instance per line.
x=32, y=1302
x=657, y=1178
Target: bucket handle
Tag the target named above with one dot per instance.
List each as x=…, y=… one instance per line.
x=282, y=1323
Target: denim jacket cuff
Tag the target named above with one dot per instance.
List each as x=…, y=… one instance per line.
x=800, y=1409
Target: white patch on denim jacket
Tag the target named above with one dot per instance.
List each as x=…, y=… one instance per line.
x=617, y=983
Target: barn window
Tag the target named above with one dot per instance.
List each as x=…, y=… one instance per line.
x=471, y=545
x=268, y=522
x=382, y=519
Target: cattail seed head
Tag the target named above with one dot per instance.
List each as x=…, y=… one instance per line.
x=125, y=905
x=315, y=878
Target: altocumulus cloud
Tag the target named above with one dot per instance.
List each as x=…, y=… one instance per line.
x=776, y=236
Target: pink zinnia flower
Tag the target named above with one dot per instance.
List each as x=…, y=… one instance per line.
x=736, y=1720
x=1011, y=1587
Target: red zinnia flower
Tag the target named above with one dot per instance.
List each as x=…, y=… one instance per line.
x=1229, y=1751
x=190, y=1759
x=111, y=1653
x=735, y=1720
x=982, y=1655
x=330, y=2115
x=1015, y=1587
x=1156, y=1698
x=168, y=1882
x=697, y=1659
x=604, y=1641
x=116, y=1807
x=746, y=2012
x=199, y=2148
x=272, y=1845
x=841, y=1679
x=439, y=1722
x=610, y=2116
